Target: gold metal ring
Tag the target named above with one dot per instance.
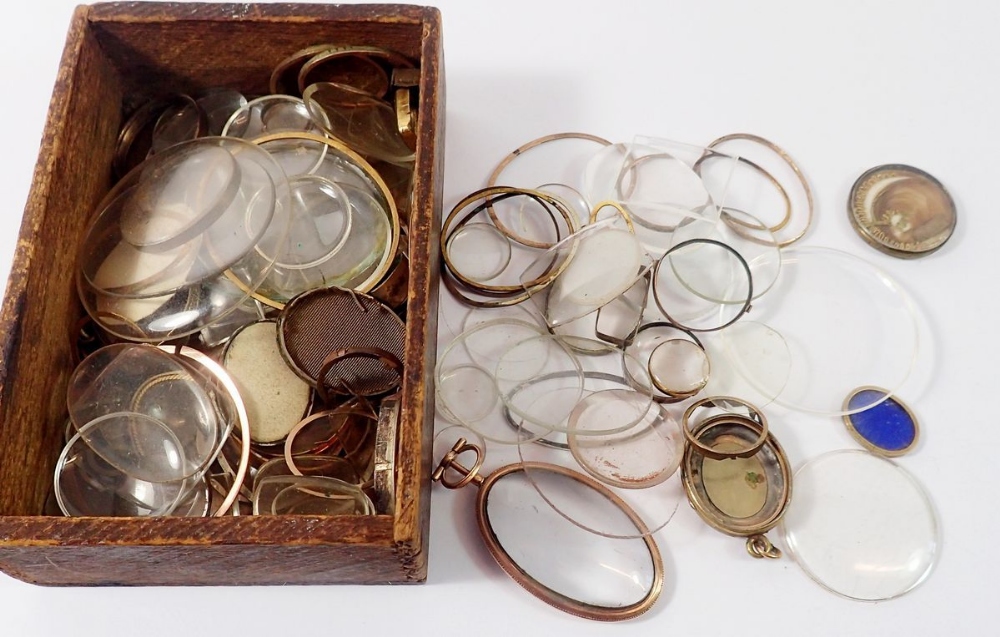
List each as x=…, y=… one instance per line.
x=451, y=226
x=386, y=261
x=506, y=161
x=227, y=383
x=756, y=417
x=712, y=154
x=370, y=54
x=622, y=212
x=780, y=152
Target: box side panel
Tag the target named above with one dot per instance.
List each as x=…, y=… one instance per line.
x=221, y=565
x=223, y=551
x=41, y=305
x=176, y=48
x=116, y=53
x=417, y=415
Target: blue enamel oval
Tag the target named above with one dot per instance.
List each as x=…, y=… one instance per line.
x=887, y=425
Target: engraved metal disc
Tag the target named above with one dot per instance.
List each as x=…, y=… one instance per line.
x=901, y=210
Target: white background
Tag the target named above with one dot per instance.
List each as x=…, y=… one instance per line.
x=843, y=86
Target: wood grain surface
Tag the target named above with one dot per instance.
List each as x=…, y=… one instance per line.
x=116, y=56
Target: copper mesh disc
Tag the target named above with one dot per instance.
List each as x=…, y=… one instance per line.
x=319, y=322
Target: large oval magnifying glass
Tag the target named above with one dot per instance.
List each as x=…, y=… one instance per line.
x=565, y=566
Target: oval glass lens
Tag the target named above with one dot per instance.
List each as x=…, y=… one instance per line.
x=591, y=572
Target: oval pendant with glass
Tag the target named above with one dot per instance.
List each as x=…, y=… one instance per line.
x=741, y=496
x=572, y=569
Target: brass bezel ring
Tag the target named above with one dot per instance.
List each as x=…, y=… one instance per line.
x=498, y=193
x=394, y=223
x=756, y=418
x=372, y=54
x=517, y=152
x=343, y=388
x=785, y=157
x=714, y=154
x=229, y=385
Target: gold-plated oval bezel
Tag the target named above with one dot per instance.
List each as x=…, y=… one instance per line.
x=864, y=442
x=777, y=475
x=546, y=594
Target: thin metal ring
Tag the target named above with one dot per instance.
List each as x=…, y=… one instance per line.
x=622, y=212
x=713, y=154
x=746, y=304
x=478, y=286
x=350, y=408
x=373, y=175
x=241, y=413
x=517, y=152
x=300, y=57
x=757, y=418
x=371, y=53
x=498, y=193
x=780, y=152
x=342, y=387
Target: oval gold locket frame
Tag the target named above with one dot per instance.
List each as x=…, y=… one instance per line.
x=511, y=567
x=777, y=474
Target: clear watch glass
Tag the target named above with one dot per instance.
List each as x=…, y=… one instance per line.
x=579, y=572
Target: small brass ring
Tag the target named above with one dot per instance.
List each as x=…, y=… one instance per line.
x=756, y=417
x=370, y=54
x=374, y=353
x=454, y=287
x=347, y=409
x=758, y=546
x=622, y=212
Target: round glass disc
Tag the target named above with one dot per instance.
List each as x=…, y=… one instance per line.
x=861, y=526
x=846, y=324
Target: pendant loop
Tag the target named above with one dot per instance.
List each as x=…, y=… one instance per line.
x=759, y=546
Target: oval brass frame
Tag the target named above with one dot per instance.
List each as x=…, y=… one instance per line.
x=751, y=527
x=861, y=440
x=510, y=566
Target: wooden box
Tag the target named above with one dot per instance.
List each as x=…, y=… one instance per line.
x=116, y=53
